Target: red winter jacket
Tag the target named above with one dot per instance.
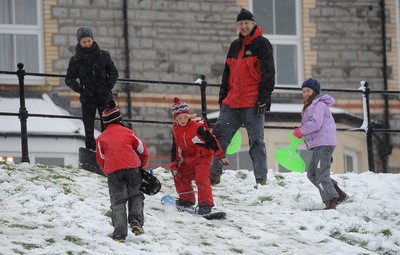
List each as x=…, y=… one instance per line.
x=119, y=148
x=249, y=71
x=193, y=142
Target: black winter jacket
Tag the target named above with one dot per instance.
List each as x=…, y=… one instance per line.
x=96, y=72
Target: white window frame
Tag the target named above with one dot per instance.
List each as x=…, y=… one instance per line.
x=294, y=40
x=353, y=154
x=14, y=29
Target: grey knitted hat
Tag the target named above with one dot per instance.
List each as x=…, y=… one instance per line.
x=83, y=32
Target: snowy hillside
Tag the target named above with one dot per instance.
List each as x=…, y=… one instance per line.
x=54, y=210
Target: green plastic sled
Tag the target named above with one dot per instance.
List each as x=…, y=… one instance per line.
x=289, y=158
x=235, y=144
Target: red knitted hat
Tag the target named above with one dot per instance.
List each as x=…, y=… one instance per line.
x=179, y=107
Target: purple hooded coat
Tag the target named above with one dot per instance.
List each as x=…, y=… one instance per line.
x=317, y=124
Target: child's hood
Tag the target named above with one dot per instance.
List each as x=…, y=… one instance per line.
x=326, y=99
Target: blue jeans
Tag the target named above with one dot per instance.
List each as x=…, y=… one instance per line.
x=228, y=122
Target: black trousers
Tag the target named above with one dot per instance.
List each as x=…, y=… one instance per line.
x=89, y=115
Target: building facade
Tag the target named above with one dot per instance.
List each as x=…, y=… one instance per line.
x=338, y=42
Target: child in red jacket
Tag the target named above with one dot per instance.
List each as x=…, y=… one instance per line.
x=192, y=153
x=121, y=155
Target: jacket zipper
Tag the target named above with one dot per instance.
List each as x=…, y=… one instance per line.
x=184, y=139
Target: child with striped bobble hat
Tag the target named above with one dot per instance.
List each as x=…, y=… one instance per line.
x=122, y=156
x=193, y=149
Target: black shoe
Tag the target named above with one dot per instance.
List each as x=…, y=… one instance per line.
x=261, y=181
x=204, y=209
x=119, y=238
x=215, y=179
x=136, y=228
x=183, y=203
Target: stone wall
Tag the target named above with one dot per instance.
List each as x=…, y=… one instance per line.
x=168, y=41
x=349, y=47
x=348, y=42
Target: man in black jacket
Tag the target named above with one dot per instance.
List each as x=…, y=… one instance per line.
x=97, y=76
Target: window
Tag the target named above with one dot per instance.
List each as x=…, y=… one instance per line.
x=280, y=20
x=350, y=161
x=21, y=39
x=240, y=160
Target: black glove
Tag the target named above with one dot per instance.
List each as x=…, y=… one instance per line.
x=222, y=95
x=268, y=102
x=109, y=84
x=263, y=104
x=142, y=169
x=81, y=88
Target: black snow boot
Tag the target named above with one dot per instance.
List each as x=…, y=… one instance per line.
x=204, y=209
x=183, y=203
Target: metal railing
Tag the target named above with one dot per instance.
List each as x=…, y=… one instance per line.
x=201, y=82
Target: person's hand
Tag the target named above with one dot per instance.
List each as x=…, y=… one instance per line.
x=268, y=102
x=142, y=168
x=260, y=108
x=81, y=88
x=263, y=104
x=297, y=133
x=224, y=162
x=221, y=158
x=110, y=84
x=174, y=168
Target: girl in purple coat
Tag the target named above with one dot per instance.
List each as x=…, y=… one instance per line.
x=319, y=130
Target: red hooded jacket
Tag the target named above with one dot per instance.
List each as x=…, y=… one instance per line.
x=119, y=148
x=193, y=142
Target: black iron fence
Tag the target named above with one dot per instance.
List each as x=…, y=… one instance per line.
x=201, y=82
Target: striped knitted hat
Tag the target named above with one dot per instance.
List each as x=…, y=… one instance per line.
x=179, y=107
x=111, y=114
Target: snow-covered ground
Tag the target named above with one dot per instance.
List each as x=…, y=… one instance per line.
x=55, y=210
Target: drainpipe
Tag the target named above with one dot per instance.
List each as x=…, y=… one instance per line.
x=385, y=96
x=127, y=86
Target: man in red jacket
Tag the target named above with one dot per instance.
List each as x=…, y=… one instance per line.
x=121, y=155
x=245, y=94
